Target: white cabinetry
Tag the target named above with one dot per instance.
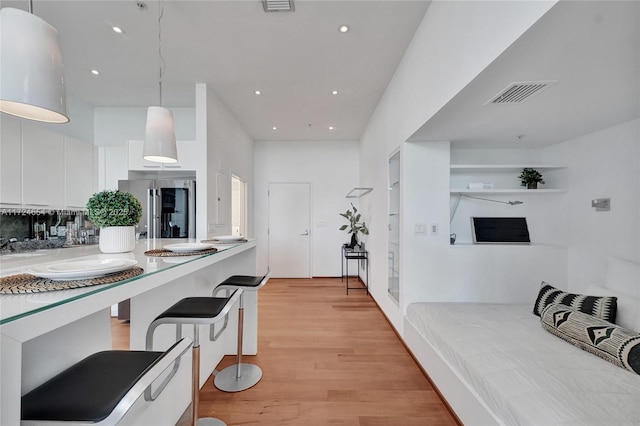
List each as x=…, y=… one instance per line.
x=187, y=157
x=10, y=161
x=78, y=172
x=502, y=177
x=113, y=166
x=42, y=167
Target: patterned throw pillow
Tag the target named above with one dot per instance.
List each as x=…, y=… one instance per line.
x=617, y=345
x=603, y=307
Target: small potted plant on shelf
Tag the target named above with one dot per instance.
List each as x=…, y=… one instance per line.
x=116, y=214
x=530, y=178
x=354, y=225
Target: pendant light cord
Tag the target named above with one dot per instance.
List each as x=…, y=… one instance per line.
x=31, y=7
x=161, y=61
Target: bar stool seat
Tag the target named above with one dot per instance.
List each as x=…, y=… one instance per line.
x=100, y=389
x=195, y=311
x=240, y=376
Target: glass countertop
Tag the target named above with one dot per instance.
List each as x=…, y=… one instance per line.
x=16, y=306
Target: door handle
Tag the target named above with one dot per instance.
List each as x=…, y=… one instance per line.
x=306, y=232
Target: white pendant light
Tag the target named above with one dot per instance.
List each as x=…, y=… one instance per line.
x=160, y=134
x=160, y=137
x=31, y=82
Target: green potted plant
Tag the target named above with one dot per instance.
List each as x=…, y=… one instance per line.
x=530, y=178
x=116, y=214
x=354, y=225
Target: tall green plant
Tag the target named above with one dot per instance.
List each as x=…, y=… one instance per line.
x=354, y=225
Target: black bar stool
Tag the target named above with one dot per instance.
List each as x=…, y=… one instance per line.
x=100, y=389
x=240, y=376
x=195, y=311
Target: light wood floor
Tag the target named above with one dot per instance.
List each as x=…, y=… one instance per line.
x=327, y=359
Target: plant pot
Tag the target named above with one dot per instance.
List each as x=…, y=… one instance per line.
x=117, y=239
x=532, y=185
x=353, y=242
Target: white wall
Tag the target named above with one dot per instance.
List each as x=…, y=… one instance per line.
x=332, y=169
x=603, y=164
x=454, y=43
x=229, y=150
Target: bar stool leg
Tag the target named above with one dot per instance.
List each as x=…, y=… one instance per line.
x=195, y=386
x=240, y=376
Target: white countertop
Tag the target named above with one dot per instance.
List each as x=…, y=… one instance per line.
x=17, y=306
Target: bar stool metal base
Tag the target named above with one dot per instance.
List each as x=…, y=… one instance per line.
x=227, y=380
x=210, y=421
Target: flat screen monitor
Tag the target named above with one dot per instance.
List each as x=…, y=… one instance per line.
x=500, y=230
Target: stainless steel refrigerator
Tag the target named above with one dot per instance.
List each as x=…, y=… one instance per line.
x=168, y=206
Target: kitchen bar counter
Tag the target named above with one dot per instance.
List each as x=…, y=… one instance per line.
x=43, y=333
x=13, y=307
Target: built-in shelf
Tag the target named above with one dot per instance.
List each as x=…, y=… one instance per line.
x=393, y=218
x=503, y=178
x=501, y=168
x=507, y=191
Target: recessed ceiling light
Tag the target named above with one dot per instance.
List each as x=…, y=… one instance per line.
x=330, y=127
x=257, y=92
x=334, y=92
x=95, y=72
x=274, y=128
x=117, y=30
x=343, y=28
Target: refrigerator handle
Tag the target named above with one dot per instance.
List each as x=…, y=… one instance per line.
x=155, y=213
x=151, y=213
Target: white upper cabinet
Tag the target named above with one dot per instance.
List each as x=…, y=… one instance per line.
x=113, y=166
x=78, y=172
x=10, y=161
x=187, y=157
x=42, y=167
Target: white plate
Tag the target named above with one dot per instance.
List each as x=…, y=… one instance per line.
x=66, y=271
x=187, y=247
x=228, y=238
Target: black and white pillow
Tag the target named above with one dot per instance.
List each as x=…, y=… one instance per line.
x=603, y=307
x=617, y=345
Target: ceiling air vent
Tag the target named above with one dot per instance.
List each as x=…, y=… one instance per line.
x=278, y=5
x=521, y=91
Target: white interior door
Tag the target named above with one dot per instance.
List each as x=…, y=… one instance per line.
x=289, y=239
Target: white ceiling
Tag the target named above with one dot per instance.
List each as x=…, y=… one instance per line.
x=591, y=48
x=295, y=58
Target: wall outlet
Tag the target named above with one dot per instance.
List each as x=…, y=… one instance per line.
x=420, y=229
